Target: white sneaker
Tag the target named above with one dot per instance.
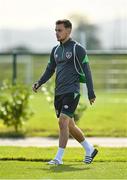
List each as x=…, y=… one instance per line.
x=55, y=162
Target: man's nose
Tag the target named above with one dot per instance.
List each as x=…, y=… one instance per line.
x=57, y=34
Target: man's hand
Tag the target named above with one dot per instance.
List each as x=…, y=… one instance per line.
x=35, y=86
x=92, y=101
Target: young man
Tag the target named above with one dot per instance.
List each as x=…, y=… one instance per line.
x=67, y=88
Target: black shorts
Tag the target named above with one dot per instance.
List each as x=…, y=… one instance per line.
x=66, y=104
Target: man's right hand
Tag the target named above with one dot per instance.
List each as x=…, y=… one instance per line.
x=92, y=101
x=35, y=86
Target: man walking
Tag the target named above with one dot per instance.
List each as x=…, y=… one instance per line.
x=68, y=59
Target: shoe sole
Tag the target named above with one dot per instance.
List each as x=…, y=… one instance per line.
x=54, y=162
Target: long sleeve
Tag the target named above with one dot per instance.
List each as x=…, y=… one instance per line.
x=84, y=62
x=50, y=69
x=89, y=81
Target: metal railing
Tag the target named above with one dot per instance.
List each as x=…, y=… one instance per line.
x=106, y=65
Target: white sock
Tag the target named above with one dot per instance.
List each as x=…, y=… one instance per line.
x=59, y=154
x=88, y=147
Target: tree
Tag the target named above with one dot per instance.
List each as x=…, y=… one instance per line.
x=85, y=32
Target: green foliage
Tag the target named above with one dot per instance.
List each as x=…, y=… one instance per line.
x=89, y=31
x=79, y=111
x=48, y=90
x=14, y=110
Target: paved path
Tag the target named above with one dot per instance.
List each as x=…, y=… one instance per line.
x=48, y=142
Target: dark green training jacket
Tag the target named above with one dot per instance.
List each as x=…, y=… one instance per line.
x=67, y=78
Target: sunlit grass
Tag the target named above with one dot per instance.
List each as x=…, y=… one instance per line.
x=31, y=162
x=107, y=117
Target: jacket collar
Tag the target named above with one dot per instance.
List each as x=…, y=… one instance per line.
x=66, y=43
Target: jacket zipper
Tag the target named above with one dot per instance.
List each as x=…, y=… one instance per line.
x=62, y=52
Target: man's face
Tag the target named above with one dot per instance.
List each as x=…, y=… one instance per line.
x=62, y=33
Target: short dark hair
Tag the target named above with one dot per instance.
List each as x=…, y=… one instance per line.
x=66, y=22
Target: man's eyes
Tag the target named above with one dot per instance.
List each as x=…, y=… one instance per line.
x=58, y=30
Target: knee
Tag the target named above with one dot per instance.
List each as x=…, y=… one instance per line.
x=63, y=122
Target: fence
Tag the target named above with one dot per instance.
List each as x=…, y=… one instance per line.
x=109, y=69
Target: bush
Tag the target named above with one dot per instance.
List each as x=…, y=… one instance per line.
x=14, y=110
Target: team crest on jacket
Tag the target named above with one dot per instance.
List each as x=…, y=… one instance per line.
x=68, y=55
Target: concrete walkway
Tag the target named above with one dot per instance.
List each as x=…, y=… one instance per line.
x=48, y=142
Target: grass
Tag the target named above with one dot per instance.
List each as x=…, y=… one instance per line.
x=107, y=117
x=31, y=162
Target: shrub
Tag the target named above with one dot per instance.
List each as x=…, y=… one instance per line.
x=14, y=109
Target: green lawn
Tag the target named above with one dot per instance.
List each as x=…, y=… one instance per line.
x=107, y=117
x=31, y=162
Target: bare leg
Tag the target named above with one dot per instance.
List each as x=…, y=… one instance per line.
x=64, y=130
x=63, y=138
x=76, y=131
